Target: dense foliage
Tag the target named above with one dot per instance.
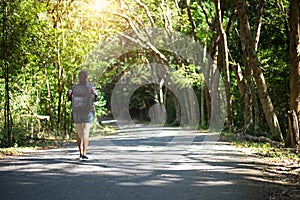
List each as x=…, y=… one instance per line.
x=45, y=43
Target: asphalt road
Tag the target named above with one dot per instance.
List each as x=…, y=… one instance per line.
x=139, y=163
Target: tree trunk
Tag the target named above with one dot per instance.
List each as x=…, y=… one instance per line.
x=242, y=89
x=256, y=110
x=202, y=107
x=223, y=50
x=245, y=83
x=177, y=109
x=239, y=78
x=191, y=108
x=259, y=24
x=215, y=99
x=293, y=138
x=59, y=88
x=247, y=40
x=253, y=92
x=248, y=115
x=294, y=22
x=49, y=97
x=204, y=89
x=7, y=111
x=241, y=85
x=208, y=74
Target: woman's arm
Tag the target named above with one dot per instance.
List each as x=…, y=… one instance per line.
x=95, y=93
x=70, y=94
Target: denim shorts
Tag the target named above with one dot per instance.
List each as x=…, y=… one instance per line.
x=80, y=117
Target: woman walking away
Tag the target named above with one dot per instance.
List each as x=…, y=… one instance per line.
x=83, y=97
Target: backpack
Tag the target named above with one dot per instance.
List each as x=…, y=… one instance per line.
x=82, y=98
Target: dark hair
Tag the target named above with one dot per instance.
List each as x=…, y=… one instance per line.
x=82, y=76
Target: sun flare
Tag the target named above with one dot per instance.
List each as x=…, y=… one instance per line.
x=100, y=5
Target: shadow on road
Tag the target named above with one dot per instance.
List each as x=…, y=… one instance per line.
x=122, y=167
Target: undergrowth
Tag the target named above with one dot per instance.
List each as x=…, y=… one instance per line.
x=263, y=149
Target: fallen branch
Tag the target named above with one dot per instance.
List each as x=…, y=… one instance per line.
x=263, y=139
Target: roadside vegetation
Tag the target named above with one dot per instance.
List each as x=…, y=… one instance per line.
x=280, y=165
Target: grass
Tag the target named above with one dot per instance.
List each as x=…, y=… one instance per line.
x=12, y=151
x=103, y=129
x=34, y=144
x=262, y=149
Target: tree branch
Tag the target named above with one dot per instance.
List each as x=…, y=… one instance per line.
x=142, y=5
x=187, y=3
x=259, y=24
x=205, y=14
x=141, y=40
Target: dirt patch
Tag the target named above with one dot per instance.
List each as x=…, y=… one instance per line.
x=33, y=147
x=286, y=174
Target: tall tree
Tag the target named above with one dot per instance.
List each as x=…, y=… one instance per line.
x=294, y=22
x=5, y=69
x=224, y=62
x=249, y=43
x=204, y=89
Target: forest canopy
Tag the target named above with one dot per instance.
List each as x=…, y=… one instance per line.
x=252, y=46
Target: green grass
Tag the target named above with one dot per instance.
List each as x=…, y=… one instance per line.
x=103, y=130
x=262, y=149
x=32, y=144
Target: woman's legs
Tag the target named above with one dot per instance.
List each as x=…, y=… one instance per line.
x=86, y=132
x=79, y=137
x=83, y=130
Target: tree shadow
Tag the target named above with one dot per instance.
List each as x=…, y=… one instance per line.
x=224, y=173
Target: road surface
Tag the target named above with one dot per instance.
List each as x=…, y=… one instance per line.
x=138, y=163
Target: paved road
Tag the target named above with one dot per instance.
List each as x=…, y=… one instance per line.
x=139, y=163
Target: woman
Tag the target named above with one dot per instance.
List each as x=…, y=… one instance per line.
x=83, y=119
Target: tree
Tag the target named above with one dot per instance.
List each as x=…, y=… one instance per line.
x=223, y=61
x=248, y=41
x=294, y=22
x=5, y=71
x=44, y=45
